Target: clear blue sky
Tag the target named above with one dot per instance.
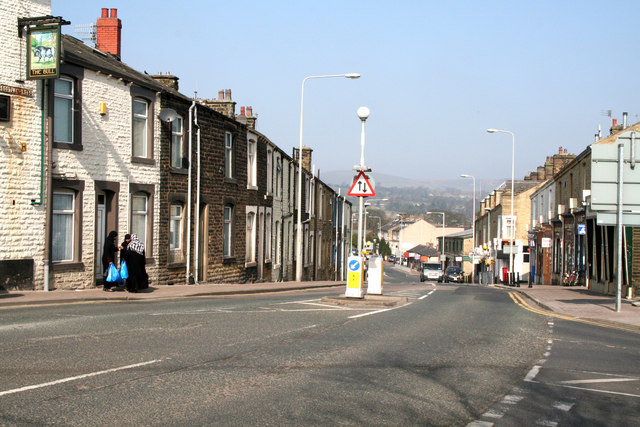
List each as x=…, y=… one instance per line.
x=435, y=74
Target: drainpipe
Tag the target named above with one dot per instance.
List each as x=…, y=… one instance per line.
x=45, y=174
x=188, y=272
x=197, y=254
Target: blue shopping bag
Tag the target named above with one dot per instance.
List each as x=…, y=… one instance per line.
x=112, y=274
x=124, y=271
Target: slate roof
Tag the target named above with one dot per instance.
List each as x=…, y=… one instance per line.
x=76, y=52
x=464, y=234
x=424, y=250
x=518, y=186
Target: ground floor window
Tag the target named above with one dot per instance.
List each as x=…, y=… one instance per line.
x=62, y=245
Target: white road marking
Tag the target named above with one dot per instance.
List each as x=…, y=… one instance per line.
x=375, y=312
x=600, y=380
x=545, y=422
x=478, y=423
x=492, y=413
x=532, y=373
x=78, y=377
x=511, y=399
x=563, y=406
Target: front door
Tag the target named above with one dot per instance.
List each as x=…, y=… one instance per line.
x=101, y=234
x=260, y=244
x=203, y=247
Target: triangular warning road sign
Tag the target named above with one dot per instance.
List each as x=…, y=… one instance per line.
x=361, y=187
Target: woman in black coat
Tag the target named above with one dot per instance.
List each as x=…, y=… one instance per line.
x=136, y=262
x=109, y=257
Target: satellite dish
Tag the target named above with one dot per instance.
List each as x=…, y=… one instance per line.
x=168, y=115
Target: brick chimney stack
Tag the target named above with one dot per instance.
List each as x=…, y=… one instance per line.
x=108, y=32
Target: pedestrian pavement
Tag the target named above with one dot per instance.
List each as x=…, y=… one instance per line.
x=576, y=302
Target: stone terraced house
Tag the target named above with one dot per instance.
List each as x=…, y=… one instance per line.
x=104, y=147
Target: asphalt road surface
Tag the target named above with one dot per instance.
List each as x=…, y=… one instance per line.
x=453, y=355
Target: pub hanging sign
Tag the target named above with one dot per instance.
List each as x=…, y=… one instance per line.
x=43, y=52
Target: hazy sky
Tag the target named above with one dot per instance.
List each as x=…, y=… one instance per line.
x=435, y=74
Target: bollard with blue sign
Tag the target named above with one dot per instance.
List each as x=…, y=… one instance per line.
x=354, y=277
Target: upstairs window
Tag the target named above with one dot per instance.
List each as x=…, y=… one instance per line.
x=177, y=143
x=251, y=164
x=270, y=171
x=63, y=114
x=140, y=128
x=228, y=155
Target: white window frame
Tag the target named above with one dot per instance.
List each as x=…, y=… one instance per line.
x=69, y=251
x=228, y=155
x=278, y=233
x=144, y=214
x=278, y=182
x=251, y=233
x=227, y=249
x=268, y=238
x=252, y=161
x=176, y=227
x=270, y=171
x=68, y=113
x=508, y=225
x=140, y=151
x=177, y=143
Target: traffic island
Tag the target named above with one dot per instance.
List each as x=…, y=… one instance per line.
x=366, y=301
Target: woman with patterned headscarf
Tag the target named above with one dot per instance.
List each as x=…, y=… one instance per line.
x=136, y=261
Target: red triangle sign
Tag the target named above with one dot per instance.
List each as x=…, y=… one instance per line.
x=361, y=187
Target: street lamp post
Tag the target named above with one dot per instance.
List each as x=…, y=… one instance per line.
x=513, y=222
x=473, y=225
x=442, y=249
x=364, y=235
x=299, y=196
x=363, y=114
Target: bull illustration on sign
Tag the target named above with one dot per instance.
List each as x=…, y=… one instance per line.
x=362, y=187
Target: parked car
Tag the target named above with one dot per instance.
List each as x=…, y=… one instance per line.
x=393, y=258
x=453, y=274
x=431, y=271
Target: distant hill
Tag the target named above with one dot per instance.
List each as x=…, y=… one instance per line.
x=345, y=178
x=413, y=197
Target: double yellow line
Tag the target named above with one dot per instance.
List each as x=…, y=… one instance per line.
x=520, y=301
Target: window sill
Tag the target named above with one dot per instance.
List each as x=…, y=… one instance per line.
x=67, y=146
x=252, y=187
x=143, y=160
x=250, y=264
x=177, y=265
x=68, y=266
x=229, y=260
x=179, y=171
x=228, y=180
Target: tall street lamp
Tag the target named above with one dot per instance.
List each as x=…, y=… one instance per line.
x=299, y=197
x=442, y=249
x=473, y=225
x=513, y=162
x=363, y=114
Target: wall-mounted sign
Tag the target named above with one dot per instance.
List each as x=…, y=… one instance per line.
x=546, y=242
x=13, y=90
x=43, y=52
x=582, y=229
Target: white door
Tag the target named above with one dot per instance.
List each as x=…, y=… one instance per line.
x=100, y=234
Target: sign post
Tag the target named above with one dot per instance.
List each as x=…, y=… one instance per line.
x=354, y=277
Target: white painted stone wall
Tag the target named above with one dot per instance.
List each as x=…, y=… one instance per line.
x=106, y=156
x=21, y=223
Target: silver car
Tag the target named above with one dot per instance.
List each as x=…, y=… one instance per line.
x=431, y=271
